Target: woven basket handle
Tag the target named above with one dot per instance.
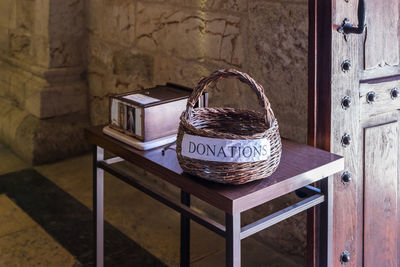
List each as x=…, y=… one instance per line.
x=231, y=73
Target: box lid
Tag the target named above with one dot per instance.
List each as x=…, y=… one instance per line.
x=157, y=95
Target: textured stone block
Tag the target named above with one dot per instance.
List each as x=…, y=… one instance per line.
x=47, y=94
x=67, y=18
x=39, y=141
x=95, y=17
x=232, y=6
x=226, y=93
x=102, y=85
x=126, y=70
x=10, y=118
x=13, y=82
x=278, y=56
x=185, y=72
x=25, y=17
x=67, y=34
x=66, y=52
x=101, y=54
x=119, y=21
x=7, y=8
x=4, y=40
x=40, y=51
x=7, y=22
x=95, y=81
x=20, y=44
x=99, y=110
x=56, y=138
x=228, y=5
x=130, y=71
x=189, y=34
x=42, y=17
x=19, y=81
x=58, y=100
x=126, y=63
x=4, y=81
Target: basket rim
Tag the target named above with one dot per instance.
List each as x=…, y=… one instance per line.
x=188, y=126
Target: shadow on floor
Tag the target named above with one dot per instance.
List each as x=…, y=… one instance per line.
x=69, y=222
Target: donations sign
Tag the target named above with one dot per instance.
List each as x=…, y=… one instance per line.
x=225, y=150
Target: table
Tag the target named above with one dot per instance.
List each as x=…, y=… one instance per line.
x=300, y=166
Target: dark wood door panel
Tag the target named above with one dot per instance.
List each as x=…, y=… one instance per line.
x=381, y=46
x=381, y=150
x=383, y=100
x=365, y=219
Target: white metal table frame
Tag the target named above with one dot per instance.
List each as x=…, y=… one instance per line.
x=232, y=231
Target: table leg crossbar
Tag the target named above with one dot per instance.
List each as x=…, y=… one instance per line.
x=179, y=207
x=232, y=232
x=281, y=215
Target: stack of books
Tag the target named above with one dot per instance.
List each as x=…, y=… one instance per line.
x=149, y=118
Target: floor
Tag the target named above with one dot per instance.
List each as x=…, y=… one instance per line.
x=46, y=220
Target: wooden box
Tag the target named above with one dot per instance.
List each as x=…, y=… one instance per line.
x=150, y=113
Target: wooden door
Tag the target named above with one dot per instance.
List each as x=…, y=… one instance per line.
x=363, y=68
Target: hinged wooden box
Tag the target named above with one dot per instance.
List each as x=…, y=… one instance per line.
x=151, y=113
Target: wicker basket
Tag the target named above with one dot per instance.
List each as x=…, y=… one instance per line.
x=229, y=126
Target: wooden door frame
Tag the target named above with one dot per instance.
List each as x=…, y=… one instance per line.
x=319, y=73
x=319, y=100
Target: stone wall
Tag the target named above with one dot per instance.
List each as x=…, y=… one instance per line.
x=135, y=44
x=43, y=94
x=60, y=59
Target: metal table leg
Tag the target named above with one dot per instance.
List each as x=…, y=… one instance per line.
x=326, y=223
x=232, y=240
x=98, y=208
x=185, y=232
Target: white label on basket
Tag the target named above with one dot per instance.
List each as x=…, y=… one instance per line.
x=225, y=150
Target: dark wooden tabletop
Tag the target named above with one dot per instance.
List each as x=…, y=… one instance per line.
x=300, y=165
